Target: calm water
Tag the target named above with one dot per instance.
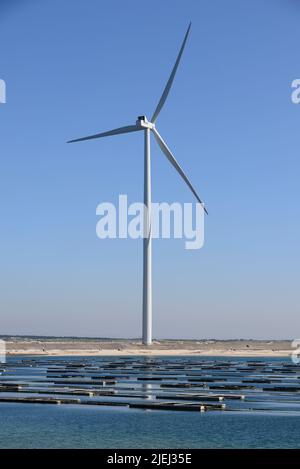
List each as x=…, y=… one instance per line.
x=70, y=426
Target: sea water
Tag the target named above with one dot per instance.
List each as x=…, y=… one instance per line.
x=83, y=426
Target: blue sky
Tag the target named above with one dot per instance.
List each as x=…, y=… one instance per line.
x=75, y=67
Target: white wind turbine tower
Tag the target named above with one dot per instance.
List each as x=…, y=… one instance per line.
x=149, y=126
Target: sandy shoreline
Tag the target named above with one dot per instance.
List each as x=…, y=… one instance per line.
x=100, y=347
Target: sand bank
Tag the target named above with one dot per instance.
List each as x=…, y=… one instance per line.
x=101, y=347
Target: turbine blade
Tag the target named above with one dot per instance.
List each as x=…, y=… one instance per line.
x=120, y=130
x=164, y=148
x=170, y=81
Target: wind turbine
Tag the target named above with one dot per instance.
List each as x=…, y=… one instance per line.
x=146, y=126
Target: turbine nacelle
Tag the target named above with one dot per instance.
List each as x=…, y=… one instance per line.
x=142, y=121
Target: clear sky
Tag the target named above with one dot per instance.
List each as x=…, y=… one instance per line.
x=76, y=67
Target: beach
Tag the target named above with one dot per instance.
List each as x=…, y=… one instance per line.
x=55, y=346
